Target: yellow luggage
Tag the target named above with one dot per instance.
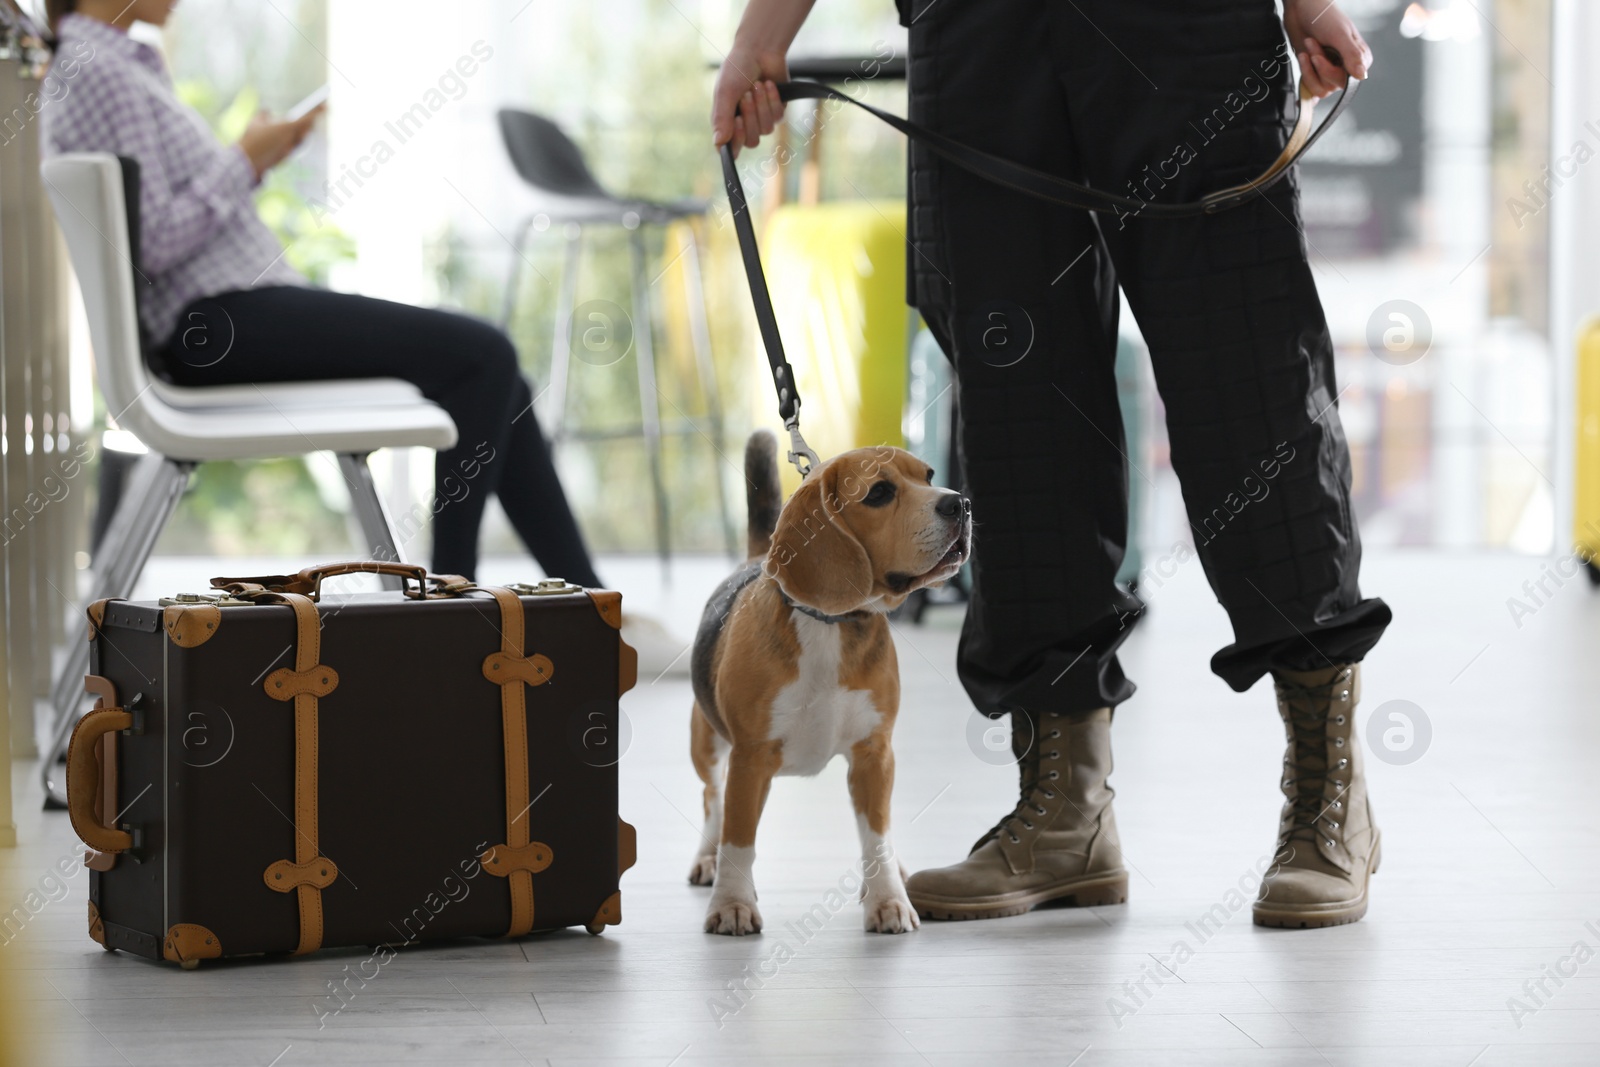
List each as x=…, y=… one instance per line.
x=837, y=273
x=1586, y=494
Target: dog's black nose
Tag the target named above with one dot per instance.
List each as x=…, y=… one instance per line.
x=952, y=505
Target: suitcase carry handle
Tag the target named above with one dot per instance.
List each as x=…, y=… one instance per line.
x=83, y=779
x=309, y=581
x=313, y=575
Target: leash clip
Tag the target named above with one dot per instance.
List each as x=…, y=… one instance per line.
x=800, y=453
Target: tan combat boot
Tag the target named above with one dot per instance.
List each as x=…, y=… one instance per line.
x=1328, y=844
x=1059, y=843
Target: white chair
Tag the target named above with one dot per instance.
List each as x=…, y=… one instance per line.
x=183, y=426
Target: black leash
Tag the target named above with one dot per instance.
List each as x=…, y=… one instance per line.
x=800, y=453
x=1001, y=171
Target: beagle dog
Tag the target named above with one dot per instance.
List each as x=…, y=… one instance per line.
x=793, y=663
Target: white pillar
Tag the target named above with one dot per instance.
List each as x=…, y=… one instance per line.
x=1574, y=224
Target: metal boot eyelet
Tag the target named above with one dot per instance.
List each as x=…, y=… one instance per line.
x=1329, y=840
x=1054, y=775
x=1040, y=810
x=1338, y=805
x=1339, y=720
x=1026, y=823
x=1342, y=765
x=1333, y=824
x=1015, y=839
x=1338, y=742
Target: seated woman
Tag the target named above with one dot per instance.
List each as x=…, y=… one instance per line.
x=210, y=271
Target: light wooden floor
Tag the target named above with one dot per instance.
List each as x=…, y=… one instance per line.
x=1491, y=872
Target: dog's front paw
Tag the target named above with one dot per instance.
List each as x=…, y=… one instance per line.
x=737, y=917
x=891, y=915
x=704, y=869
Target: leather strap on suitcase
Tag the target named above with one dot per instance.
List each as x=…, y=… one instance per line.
x=519, y=858
x=309, y=873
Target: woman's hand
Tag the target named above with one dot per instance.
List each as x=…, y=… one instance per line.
x=268, y=142
x=1315, y=24
x=745, y=105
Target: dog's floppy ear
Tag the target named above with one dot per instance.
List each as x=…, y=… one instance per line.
x=814, y=559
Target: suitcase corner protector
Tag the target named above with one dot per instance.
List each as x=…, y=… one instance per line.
x=186, y=944
x=610, y=914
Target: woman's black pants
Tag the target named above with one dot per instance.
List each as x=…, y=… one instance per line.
x=467, y=367
x=1164, y=100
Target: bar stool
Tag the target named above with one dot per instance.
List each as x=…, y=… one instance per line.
x=549, y=162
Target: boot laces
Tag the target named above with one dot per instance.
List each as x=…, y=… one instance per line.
x=1307, y=774
x=1036, y=787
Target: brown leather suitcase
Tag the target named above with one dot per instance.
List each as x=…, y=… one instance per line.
x=269, y=770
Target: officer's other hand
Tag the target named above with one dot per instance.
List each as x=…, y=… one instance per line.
x=1315, y=24
x=745, y=105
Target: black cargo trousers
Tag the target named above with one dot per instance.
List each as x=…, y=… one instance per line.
x=1165, y=100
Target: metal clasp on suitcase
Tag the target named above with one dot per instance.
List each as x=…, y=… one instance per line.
x=221, y=600
x=546, y=587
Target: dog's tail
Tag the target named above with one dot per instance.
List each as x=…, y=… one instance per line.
x=763, y=491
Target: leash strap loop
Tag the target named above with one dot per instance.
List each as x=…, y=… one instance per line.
x=1049, y=187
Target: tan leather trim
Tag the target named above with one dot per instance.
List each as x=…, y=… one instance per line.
x=609, y=604
x=242, y=588
x=97, y=615
x=84, y=780
x=627, y=666
x=449, y=586
x=187, y=944
x=610, y=913
x=97, y=929
x=309, y=679
x=502, y=860
x=101, y=688
x=502, y=668
x=276, y=583
x=105, y=798
x=627, y=847
x=283, y=876
x=285, y=684
x=191, y=625
x=308, y=580
x=514, y=724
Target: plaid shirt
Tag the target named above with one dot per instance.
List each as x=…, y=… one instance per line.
x=199, y=232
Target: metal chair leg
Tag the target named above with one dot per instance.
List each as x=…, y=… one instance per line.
x=700, y=334
x=649, y=398
x=377, y=529
x=509, y=304
x=555, y=412
x=154, y=489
